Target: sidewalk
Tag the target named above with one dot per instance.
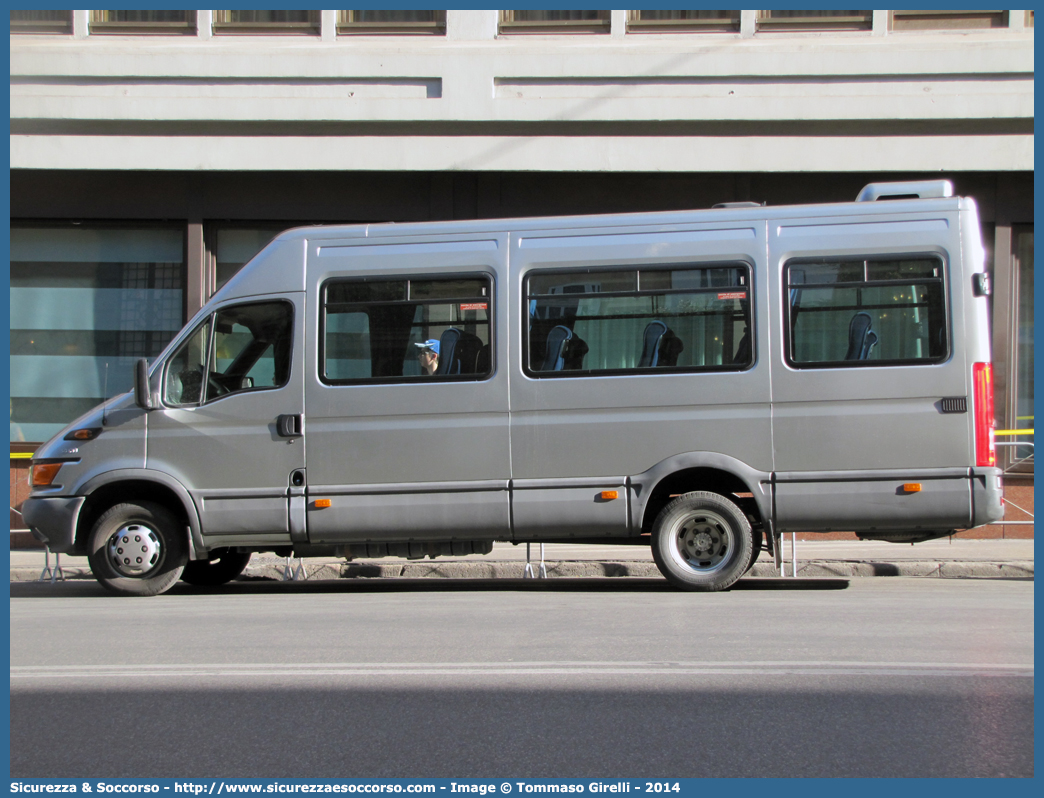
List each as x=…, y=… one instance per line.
x=939, y=558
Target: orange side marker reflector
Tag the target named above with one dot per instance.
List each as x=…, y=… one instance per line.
x=610, y=494
x=319, y=503
x=912, y=487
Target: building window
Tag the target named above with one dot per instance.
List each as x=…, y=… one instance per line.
x=821, y=19
x=1022, y=356
x=395, y=22
x=554, y=21
x=86, y=302
x=406, y=330
x=682, y=21
x=948, y=20
x=266, y=22
x=851, y=313
x=143, y=22
x=618, y=322
x=230, y=247
x=41, y=22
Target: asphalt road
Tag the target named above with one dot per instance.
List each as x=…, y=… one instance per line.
x=505, y=678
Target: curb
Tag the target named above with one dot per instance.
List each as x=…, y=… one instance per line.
x=500, y=569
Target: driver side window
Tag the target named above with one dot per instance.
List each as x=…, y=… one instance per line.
x=183, y=384
x=240, y=348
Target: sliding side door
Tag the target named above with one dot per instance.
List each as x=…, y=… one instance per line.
x=395, y=453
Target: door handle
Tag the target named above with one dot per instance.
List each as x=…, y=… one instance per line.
x=290, y=426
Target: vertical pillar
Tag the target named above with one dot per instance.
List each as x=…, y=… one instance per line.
x=195, y=256
x=879, y=26
x=1003, y=332
x=471, y=25
x=328, y=26
x=81, y=24
x=205, y=24
x=748, y=22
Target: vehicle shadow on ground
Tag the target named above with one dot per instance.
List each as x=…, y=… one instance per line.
x=82, y=588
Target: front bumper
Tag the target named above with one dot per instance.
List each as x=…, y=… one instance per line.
x=53, y=520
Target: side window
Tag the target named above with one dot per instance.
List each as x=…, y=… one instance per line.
x=377, y=331
x=866, y=312
x=657, y=318
x=183, y=382
x=241, y=348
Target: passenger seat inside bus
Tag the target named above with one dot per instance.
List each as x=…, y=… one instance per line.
x=458, y=352
x=861, y=339
x=660, y=346
x=575, y=350
x=742, y=356
x=554, y=354
x=565, y=351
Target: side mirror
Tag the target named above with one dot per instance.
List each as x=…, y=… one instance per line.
x=142, y=391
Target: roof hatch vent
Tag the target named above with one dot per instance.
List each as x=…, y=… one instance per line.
x=922, y=189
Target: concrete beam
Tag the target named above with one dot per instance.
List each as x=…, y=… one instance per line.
x=528, y=153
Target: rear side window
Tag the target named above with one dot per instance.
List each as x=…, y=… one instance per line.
x=866, y=312
x=380, y=330
x=655, y=319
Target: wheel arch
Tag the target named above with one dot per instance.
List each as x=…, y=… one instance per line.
x=708, y=471
x=125, y=485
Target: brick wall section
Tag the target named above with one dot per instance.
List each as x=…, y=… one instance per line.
x=1018, y=493
x=19, y=491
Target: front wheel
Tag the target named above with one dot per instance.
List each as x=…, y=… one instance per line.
x=223, y=566
x=702, y=541
x=137, y=549
x=758, y=547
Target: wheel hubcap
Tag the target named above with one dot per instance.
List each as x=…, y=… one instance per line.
x=135, y=550
x=702, y=541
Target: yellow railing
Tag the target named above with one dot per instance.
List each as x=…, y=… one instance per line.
x=1020, y=448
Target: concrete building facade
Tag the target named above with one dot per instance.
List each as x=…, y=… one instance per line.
x=152, y=153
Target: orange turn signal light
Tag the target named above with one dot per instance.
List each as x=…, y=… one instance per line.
x=911, y=487
x=320, y=503
x=85, y=434
x=610, y=494
x=44, y=474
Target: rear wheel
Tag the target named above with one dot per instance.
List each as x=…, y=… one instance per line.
x=137, y=549
x=702, y=541
x=223, y=566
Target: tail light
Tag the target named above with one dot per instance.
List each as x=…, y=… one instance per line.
x=985, y=451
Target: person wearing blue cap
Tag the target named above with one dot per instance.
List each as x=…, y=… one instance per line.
x=428, y=355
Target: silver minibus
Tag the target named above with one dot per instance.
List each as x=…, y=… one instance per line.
x=699, y=382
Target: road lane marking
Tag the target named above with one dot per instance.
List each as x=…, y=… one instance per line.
x=307, y=670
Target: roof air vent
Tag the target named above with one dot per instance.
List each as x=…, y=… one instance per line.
x=922, y=189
